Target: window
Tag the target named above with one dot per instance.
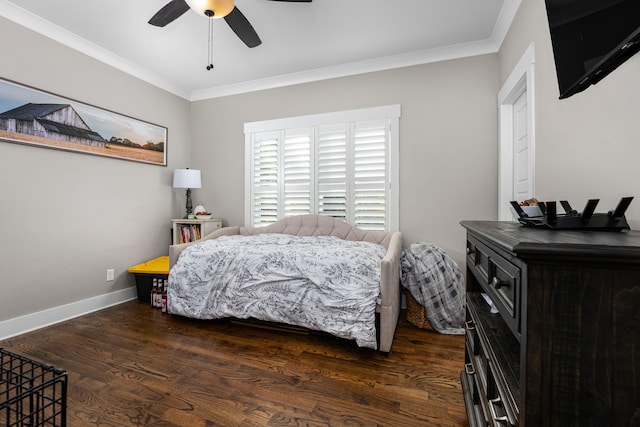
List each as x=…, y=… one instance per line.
x=343, y=165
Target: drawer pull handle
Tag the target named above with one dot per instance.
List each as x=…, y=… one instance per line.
x=469, y=326
x=496, y=283
x=495, y=416
x=469, y=251
x=468, y=369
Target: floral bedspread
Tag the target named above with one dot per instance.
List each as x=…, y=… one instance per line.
x=321, y=283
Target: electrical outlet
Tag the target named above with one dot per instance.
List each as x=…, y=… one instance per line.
x=111, y=274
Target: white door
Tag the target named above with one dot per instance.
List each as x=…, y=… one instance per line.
x=522, y=173
x=516, y=103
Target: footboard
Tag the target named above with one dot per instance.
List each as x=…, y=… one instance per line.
x=390, y=292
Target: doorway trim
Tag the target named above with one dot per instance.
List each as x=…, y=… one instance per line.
x=519, y=81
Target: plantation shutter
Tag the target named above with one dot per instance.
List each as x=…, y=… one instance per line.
x=370, y=175
x=297, y=169
x=331, y=160
x=265, y=178
x=343, y=165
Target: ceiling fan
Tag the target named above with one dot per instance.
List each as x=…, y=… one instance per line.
x=213, y=9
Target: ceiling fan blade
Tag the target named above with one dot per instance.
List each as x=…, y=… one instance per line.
x=243, y=28
x=169, y=13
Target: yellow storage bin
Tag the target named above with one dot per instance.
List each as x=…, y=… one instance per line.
x=157, y=268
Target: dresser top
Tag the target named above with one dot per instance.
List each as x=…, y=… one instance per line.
x=527, y=242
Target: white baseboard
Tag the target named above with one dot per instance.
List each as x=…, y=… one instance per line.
x=31, y=322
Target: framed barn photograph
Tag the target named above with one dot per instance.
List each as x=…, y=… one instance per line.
x=35, y=117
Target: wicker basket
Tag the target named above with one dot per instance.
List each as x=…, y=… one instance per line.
x=416, y=314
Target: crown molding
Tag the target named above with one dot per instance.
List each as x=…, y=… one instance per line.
x=48, y=29
x=354, y=68
x=65, y=37
x=482, y=47
x=503, y=23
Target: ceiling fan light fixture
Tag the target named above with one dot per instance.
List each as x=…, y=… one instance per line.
x=220, y=8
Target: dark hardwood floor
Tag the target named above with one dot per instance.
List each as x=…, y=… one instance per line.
x=132, y=365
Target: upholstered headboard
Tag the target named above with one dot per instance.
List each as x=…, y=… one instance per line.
x=320, y=225
x=302, y=225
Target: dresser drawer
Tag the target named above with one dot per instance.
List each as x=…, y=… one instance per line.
x=500, y=409
x=499, y=278
x=503, y=285
x=471, y=336
x=473, y=404
x=478, y=260
x=475, y=368
x=480, y=364
x=477, y=362
x=492, y=372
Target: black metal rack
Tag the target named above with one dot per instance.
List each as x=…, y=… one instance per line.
x=31, y=393
x=573, y=220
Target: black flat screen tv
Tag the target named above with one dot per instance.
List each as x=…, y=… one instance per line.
x=590, y=39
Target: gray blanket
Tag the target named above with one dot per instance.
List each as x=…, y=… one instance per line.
x=437, y=283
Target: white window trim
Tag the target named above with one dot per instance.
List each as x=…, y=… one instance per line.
x=521, y=78
x=390, y=112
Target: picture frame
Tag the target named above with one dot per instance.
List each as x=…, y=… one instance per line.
x=35, y=117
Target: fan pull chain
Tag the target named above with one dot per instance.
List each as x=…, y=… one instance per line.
x=210, y=57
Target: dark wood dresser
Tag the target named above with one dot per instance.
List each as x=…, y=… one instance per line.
x=562, y=345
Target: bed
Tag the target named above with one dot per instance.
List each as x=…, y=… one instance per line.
x=204, y=284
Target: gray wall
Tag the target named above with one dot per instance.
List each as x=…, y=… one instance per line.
x=448, y=141
x=588, y=146
x=66, y=217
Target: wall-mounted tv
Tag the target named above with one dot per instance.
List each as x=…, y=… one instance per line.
x=591, y=38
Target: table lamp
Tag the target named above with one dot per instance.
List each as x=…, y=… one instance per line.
x=187, y=178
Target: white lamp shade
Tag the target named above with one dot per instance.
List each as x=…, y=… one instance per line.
x=186, y=178
x=220, y=8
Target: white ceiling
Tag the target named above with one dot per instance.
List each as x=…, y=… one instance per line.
x=300, y=41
